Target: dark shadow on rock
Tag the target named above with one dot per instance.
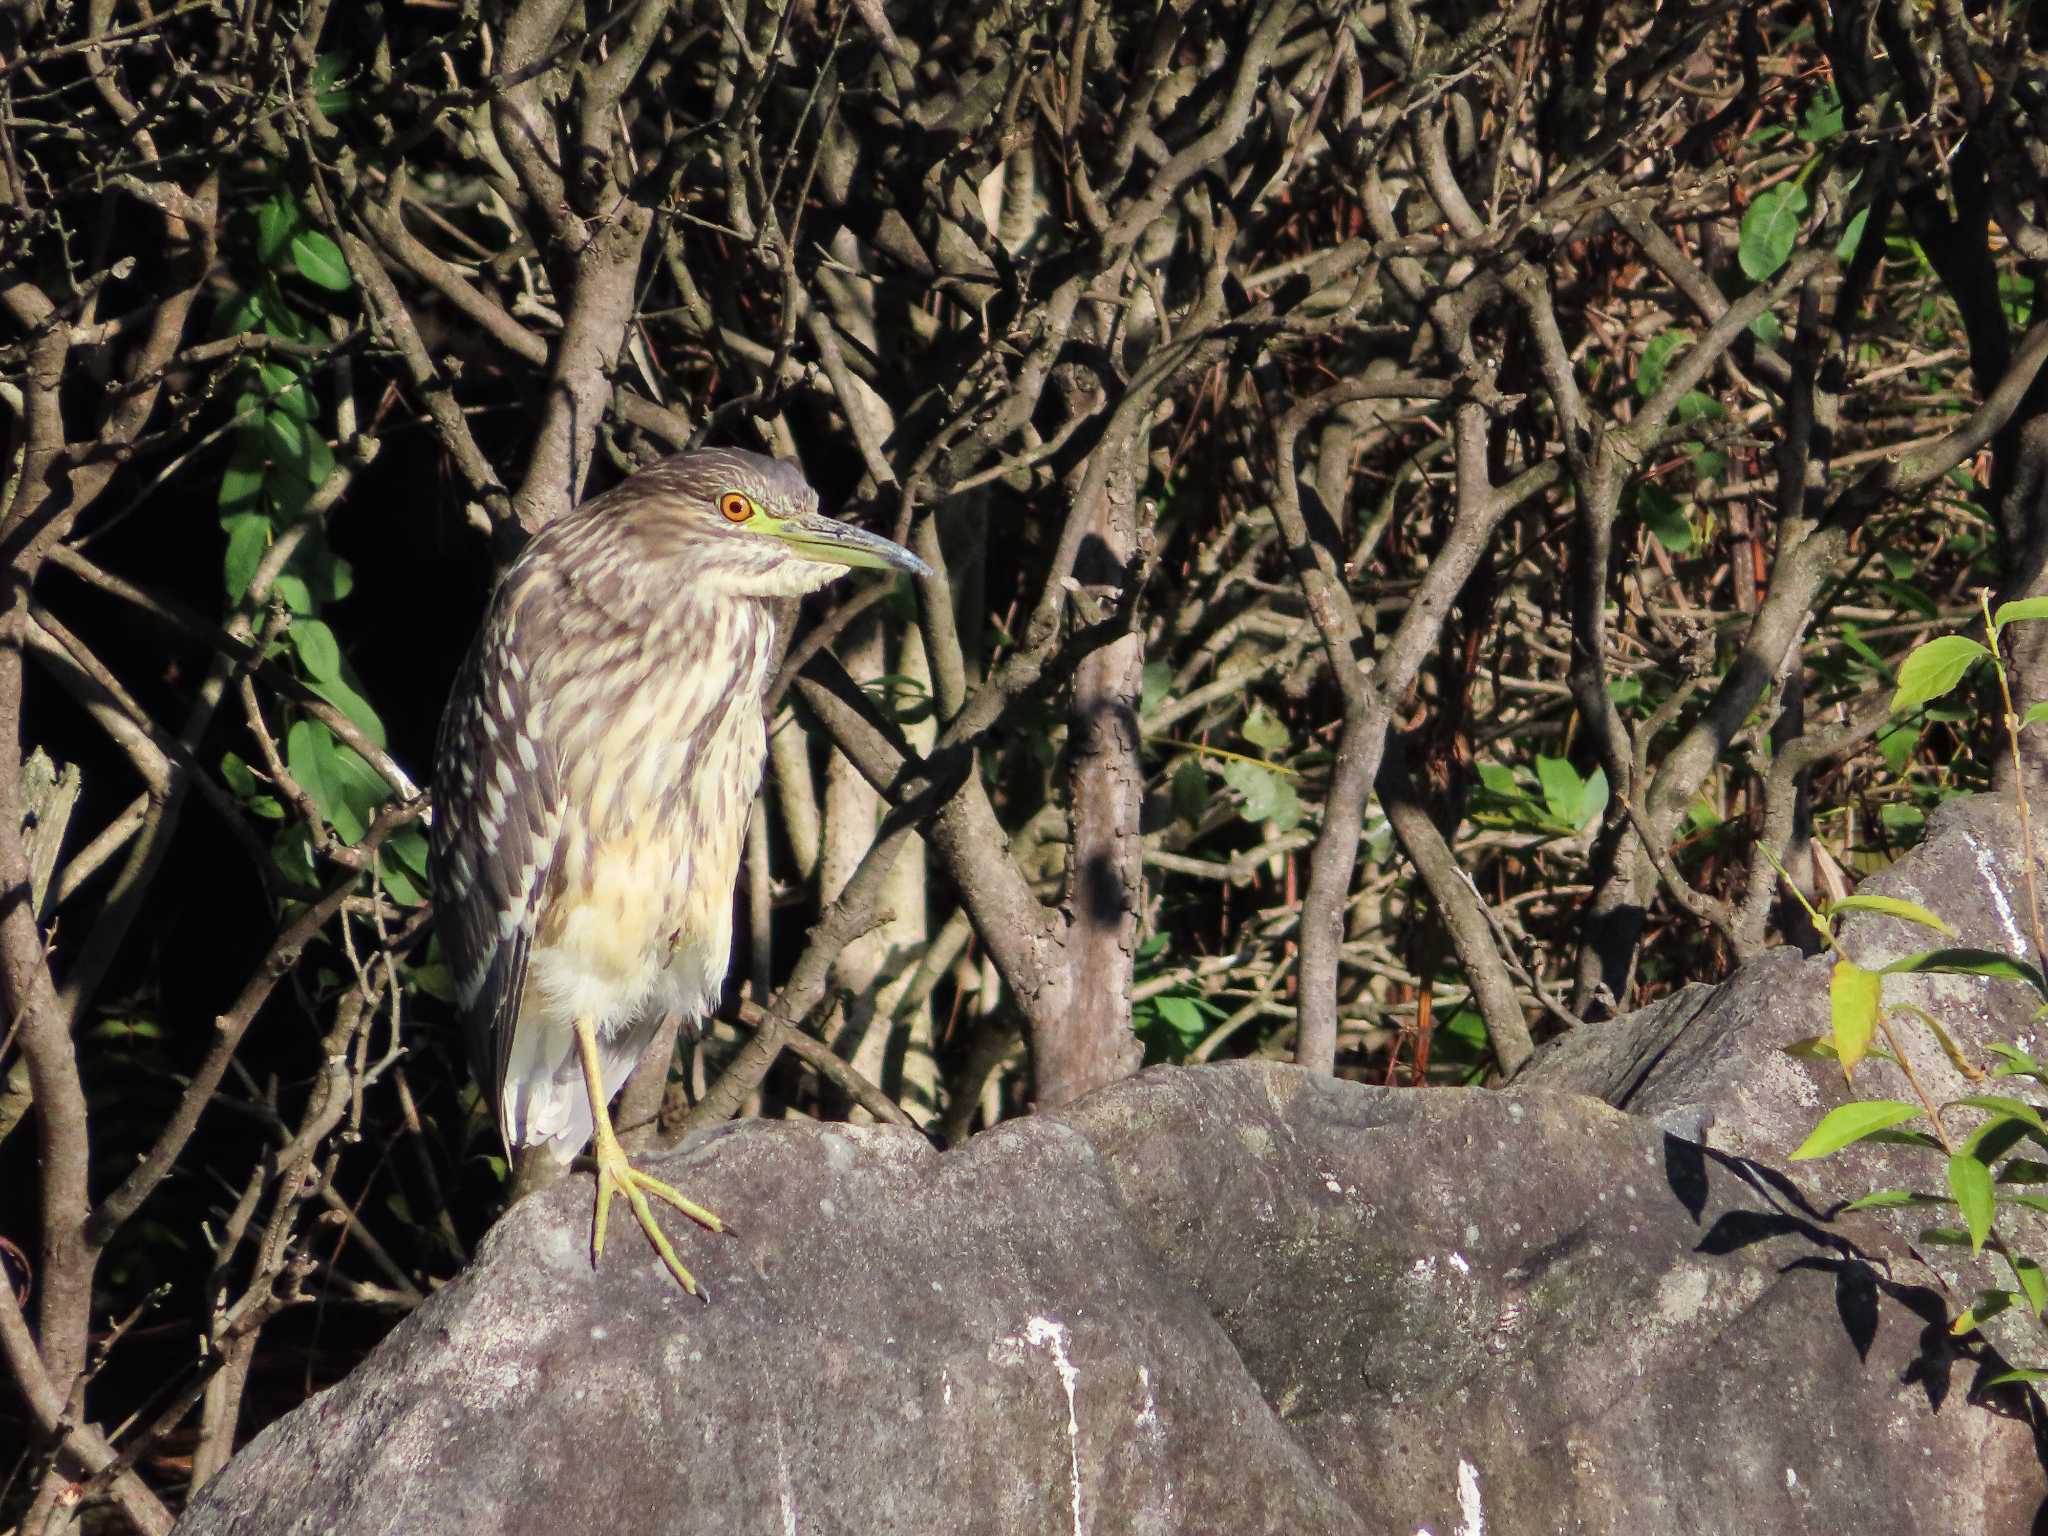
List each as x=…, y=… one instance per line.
x=1685, y=1170
x=1774, y=1186
x=1860, y=1293
x=1733, y=1231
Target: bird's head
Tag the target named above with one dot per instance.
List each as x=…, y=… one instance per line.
x=744, y=523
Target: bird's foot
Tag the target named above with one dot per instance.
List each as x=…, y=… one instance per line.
x=617, y=1175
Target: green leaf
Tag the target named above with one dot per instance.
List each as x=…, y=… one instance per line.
x=1932, y=669
x=248, y=540
x=1563, y=791
x=2021, y=1375
x=2028, y=1273
x=241, y=485
x=1267, y=796
x=1592, y=799
x=1286, y=808
x=276, y=222
x=296, y=594
x=238, y=312
x=320, y=261
x=1890, y=906
x=1664, y=515
x=342, y=695
x=239, y=777
x=1855, y=999
x=1945, y=1237
x=1852, y=637
x=2006, y=1108
x=1822, y=119
x=1989, y=1305
x=329, y=94
x=1970, y=1182
x=1966, y=962
x=285, y=435
x=1183, y=1016
x=359, y=791
x=1851, y=1123
x=434, y=979
x=1811, y=1048
x=1156, y=680
x=2035, y=714
x=319, y=460
x=1918, y=1139
x=402, y=866
x=1852, y=235
x=1767, y=329
x=286, y=389
x=1499, y=778
x=318, y=651
x=1896, y=746
x=1263, y=731
x=1770, y=229
x=1942, y=1038
x=1886, y=1199
x=1656, y=359
x=309, y=754
x=2016, y=1063
x=2025, y=608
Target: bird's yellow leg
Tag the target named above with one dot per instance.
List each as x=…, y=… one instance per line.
x=616, y=1174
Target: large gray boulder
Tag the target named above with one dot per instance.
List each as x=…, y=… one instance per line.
x=1229, y=1299
x=1709, y=1061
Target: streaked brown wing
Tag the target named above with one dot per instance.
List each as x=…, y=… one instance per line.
x=497, y=818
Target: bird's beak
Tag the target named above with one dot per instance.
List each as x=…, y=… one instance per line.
x=832, y=542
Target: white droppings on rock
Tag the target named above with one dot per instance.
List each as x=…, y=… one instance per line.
x=785, y=1485
x=1148, y=1416
x=1460, y=1263
x=599, y=1333
x=2015, y=941
x=1791, y=1479
x=1471, y=1515
x=827, y=1209
x=1051, y=1336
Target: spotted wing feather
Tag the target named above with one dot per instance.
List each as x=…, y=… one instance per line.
x=497, y=818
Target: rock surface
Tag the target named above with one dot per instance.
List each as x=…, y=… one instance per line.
x=1708, y=1062
x=1232, y=1299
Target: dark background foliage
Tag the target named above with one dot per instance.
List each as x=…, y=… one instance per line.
x=1426, y=497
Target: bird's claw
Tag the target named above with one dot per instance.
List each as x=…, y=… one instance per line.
x=616, y=1175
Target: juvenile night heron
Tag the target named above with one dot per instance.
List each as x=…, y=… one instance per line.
x=596, y=765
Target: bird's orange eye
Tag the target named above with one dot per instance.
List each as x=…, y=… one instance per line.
x=736, y=507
